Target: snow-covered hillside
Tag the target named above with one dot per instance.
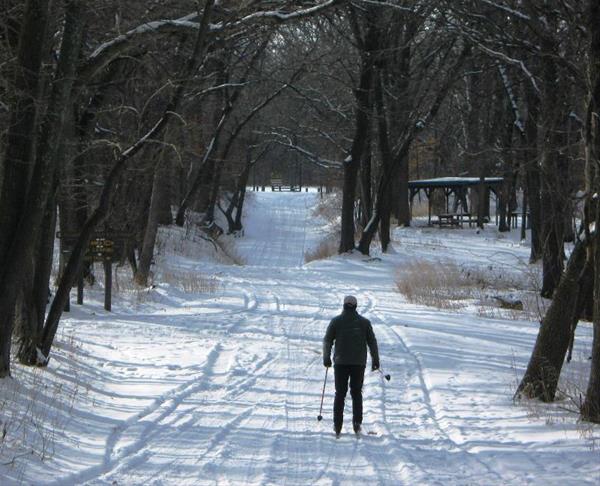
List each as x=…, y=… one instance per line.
x=218, y=381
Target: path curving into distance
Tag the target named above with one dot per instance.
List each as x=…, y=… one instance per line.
x=226, y=389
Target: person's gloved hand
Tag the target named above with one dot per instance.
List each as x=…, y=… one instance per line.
x=375, y=366
x=327, y=362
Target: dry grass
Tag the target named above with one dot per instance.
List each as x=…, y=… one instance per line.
x=327, y=248
x=446, y=285
x=193, y=242
x=229, y=251
x=192, y=282
x=434, y=285
x=28, y=425
x=329, y=207
x=567, y=404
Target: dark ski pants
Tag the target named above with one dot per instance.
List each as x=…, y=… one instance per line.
x=356, y=375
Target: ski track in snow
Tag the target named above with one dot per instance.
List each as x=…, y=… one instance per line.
x=226, y=390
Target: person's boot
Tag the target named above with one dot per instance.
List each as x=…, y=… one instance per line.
x=356, y=427
x=337, y=430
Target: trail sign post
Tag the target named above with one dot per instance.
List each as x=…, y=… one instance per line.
x=107, y=247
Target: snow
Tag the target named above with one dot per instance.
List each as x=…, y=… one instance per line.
x=202, y=388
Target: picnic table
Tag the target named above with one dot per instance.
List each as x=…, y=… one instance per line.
x=455, y=220
x=448, y=220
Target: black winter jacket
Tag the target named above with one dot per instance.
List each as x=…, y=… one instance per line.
x=352, y=334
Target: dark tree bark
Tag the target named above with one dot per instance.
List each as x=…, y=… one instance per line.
x=20, y=257
x=362, y=95
x=385, y=223
x=591, y=407
x=552, y=194
x=157, y=202
x=384, y=196
x=36, y=291
x=528, y=150
x=21, y=138
x=206, y=171
x=17, y=160
x=507, y=191
x=237, y=200
x=552, y=211
x=586, y=287
x=366, y=196
x=227, y=103
x=543, y=371
x=73, y=267
x=401, y=71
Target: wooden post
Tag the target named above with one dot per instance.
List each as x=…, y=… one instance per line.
x=107, y=284
x=80, y=289
x=429, y=193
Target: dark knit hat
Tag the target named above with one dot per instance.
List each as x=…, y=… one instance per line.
x=350, y=300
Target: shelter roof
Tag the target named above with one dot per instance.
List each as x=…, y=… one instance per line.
x=453, y=182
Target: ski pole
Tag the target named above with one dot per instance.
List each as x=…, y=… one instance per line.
x=320, y=417
x=387, y=377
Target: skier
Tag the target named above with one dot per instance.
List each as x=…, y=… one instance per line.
x=352, y=334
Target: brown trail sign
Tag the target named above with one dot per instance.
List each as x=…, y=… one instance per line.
x=107, y=247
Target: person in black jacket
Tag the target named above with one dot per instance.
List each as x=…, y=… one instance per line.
x=352, y=333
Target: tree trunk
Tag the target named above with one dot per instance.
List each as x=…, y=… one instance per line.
x=384, y=225
x=531, y=170
x=73, y=267
x=20, y=142
x=585, y=288
x=552, y=206
x=403, y=193
x=209, y=217
x=37, y=295
x=362, y=95
x=206, y=173
x=552, y=186
x=242, y=184
x=153, y=221
x=524, y=217
x=545, y=364
x=533, y=199
x=364, y=244
x=507, y=190
x=21, y=132
x=481, y=198
x=237, y=224
x=503, y=211
x=366, y=196
x=348, y=198
x=591, y=407
x=20, y=257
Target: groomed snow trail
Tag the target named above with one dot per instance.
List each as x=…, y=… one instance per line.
x=225, y=389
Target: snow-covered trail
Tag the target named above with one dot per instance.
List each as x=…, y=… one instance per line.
x=277, y=233
x=225, y=389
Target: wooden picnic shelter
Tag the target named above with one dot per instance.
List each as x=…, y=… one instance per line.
x=459, y=187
